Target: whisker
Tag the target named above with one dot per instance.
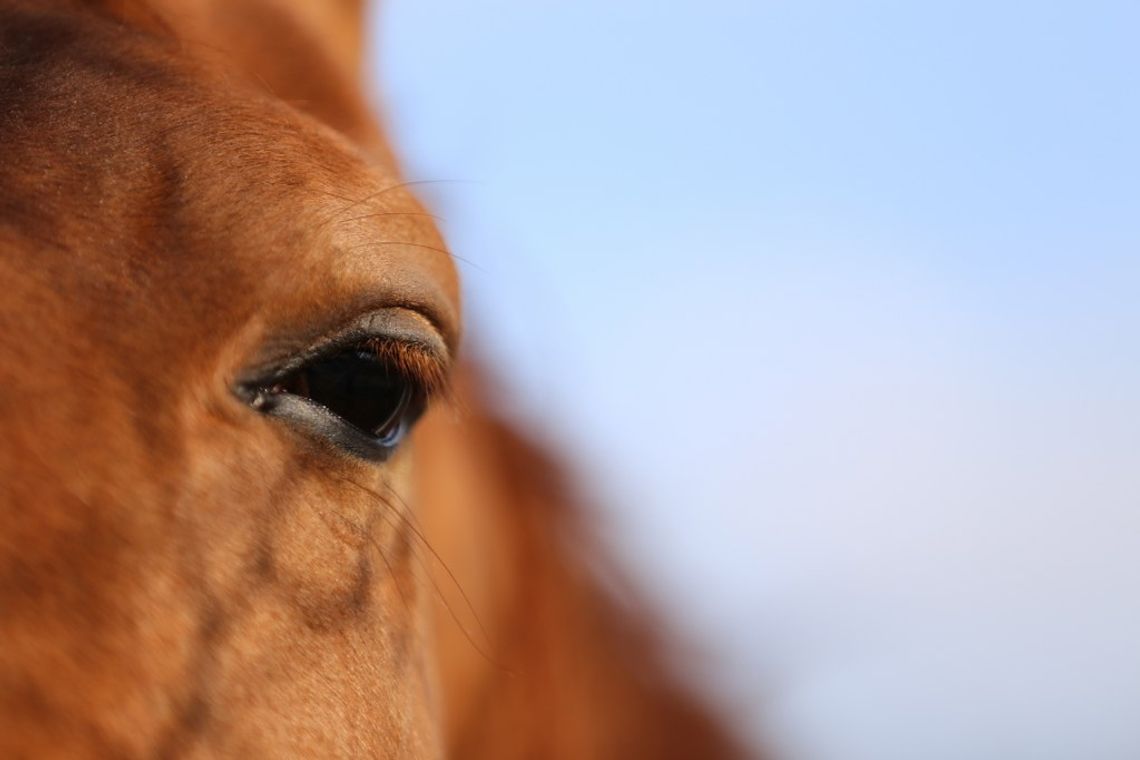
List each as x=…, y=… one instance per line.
x=392, y=213
x=427, y=572
x=338, y=196
x=391, y=188
x=409, y=518
x=434, y=248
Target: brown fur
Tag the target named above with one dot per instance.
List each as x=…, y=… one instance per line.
x=189, y=188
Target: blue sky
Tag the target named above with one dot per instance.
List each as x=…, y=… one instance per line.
x=834, y=305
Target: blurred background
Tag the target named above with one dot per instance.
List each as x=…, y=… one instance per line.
x=833, y=308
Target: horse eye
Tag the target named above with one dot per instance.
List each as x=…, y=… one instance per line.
x=355, y=386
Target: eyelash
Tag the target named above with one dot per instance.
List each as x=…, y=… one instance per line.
x=415, y=362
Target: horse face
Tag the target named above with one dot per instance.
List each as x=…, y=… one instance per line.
x=218, y=322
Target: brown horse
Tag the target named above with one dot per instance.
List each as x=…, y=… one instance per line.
x=222, y=313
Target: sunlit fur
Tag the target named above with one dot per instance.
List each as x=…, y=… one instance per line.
x=184, y=185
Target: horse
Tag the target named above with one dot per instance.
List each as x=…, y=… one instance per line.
x=253, y=500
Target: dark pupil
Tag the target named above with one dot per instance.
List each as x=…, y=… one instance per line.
x=354, y=386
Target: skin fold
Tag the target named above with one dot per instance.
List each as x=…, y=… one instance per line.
x=191, y=191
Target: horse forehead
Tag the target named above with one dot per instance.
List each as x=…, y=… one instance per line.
x=132, y=167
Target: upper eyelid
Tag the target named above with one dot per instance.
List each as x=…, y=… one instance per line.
x=443, y=328
x=390, y=325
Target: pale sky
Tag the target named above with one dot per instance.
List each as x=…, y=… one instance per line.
x=835, y=308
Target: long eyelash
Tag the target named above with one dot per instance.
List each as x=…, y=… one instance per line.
x=414, y=362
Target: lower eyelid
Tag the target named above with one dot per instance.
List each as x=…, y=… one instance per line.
x=318, y=423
